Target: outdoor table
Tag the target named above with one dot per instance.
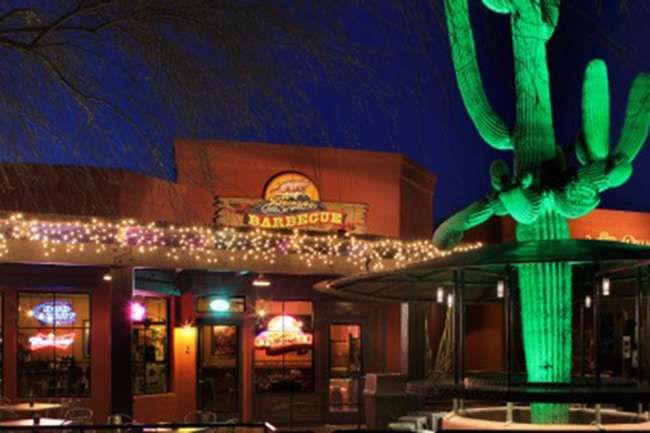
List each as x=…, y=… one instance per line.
x=30, y=422
x=26, y=407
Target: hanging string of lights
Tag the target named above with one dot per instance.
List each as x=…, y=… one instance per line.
x=208, y=244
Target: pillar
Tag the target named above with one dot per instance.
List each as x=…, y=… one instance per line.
x=121, y=391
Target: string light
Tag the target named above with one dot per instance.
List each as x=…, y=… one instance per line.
x=206, y=245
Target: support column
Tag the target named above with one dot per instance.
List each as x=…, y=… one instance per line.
x=417, y=340
x=122, y=284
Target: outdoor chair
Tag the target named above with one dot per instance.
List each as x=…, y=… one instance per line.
x=119, y=418
x=6, y=415
x=79, y=415
x=200, y=416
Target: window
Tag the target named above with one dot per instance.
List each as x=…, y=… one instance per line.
x=53, y=344
x=346, y=367
x=284, y=343
x=150, y=345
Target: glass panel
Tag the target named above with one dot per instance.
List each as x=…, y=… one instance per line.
x=219, y=368
x=345, y=367
x=150, y=348
x=284, y=337
x=156, y=309
x=53, y=345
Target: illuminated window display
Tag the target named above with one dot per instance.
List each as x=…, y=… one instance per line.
x=54, y=344
x=345, y=367
x=150, y=345
x=284, y=341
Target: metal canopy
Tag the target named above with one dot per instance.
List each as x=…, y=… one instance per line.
x=483, y=266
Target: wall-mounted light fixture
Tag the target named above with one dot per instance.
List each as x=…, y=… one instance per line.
x=261, y=281
x=450, y=300
x=220, y=305
x=587, y=301
x=501, y=288
x=606, y=286
x=440, y=295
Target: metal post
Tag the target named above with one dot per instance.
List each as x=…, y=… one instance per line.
x=508, y=324
x=596, y=329
x=509, y=412
x=582, y=339
x=598, y=415
x=461, y=325
x=637, y=325
x=455, y=329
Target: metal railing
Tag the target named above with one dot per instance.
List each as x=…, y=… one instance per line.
x=146, y=428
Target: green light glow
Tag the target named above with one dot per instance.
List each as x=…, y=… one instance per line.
x=541, y=193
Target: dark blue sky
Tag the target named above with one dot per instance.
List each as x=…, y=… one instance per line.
x=407, y=100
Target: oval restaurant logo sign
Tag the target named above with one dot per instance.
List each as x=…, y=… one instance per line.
x=291, y=200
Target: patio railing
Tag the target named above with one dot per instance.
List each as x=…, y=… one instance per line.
x=147, y=428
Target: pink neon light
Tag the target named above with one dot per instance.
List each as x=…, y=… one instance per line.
x=138, y=312
x=41, y=341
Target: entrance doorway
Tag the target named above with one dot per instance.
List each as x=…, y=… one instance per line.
x=345, y=370
x=218, y=369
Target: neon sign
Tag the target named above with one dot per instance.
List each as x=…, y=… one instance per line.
x=284, y=334
x=42, y=341
x=54, y=313
x=138, y=312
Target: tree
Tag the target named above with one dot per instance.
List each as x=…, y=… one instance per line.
x=542, y=193
x=105, y=66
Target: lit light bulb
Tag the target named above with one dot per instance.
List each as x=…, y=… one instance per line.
x=220, y=305
x=587, y=301
x=501, y=288
x=606, y=286
x=440, y=295
x=138, y=312
x=450, y=300
x=107, y=277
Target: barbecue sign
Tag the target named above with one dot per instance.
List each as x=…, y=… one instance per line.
x=291, y=201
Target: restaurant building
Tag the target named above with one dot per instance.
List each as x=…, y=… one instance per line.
x=133, y=294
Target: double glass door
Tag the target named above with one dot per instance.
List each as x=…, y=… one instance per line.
x=218, y=378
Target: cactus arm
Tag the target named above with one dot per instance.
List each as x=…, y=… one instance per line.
x=450, y=232
x=499, y=6
x=637, y=118
x=595, y=112
x=463, y=51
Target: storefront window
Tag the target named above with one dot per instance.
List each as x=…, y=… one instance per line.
x=345, y=367
x=284, y=343
x=150, y=345
x=53, y=345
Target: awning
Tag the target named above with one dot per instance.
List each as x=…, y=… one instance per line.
x=483, y=267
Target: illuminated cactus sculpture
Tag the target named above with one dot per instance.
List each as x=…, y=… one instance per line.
x=542, y=193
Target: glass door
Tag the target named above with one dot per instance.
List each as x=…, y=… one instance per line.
x=218, y=369
x=345, y=368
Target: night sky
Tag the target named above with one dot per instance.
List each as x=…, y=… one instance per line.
x=408, y=100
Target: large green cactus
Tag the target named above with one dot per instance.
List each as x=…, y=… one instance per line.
x=541, y=193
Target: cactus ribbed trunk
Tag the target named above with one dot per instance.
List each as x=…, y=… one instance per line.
x=534, y=136
x=546, y=316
